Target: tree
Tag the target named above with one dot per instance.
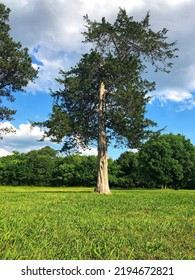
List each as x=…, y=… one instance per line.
x=75, y=170
x=114, y=173
x=129, y=176
x=33, y=168
x=167, y=160
x=47, y=151
x=104, y=96
x=15, y=66
x=39, y=166
x=13, y=169
x=184, y=154
x=190, y=184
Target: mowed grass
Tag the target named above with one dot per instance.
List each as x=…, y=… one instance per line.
x=77, y=224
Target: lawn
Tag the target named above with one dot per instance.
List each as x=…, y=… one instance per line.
x=77, y=224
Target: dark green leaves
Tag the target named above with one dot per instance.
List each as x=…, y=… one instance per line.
x=167, y=160
x=127, y=37
x=118, y=58
x=15, y=65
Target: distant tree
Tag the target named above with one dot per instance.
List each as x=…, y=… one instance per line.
x=190, y=183
x=88, y=170
x=167, y=160
x=34, y=168
x=47, y=151
x=184, y=154
x=75, y=170
x=15, y=66
x=13, y=169
x=68, y=172
x=39, y=166
x=114, y=173
x=104, y=96
x=129, y=170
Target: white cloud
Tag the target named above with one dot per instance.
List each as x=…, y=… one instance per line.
x=53, y=29
x=26, y=139
x=176, y=95
x=177, y=2
x=89, y=152
x=4, y=153
x=23, y=140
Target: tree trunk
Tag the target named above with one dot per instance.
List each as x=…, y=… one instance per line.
x=164, y=186
x=102, y=180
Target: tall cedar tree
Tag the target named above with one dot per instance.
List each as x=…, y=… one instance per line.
x=15, y=66
x=104, y=96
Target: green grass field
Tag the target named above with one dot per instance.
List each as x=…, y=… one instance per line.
x=75, y=223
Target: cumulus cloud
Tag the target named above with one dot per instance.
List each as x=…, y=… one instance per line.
x=89, y=152
x=4, y=153
x=183, y=98
x=52, y=32
x=175, y=95
x=24, y=139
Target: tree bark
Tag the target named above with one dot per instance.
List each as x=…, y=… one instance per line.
x=164, y=186
x=102, y=179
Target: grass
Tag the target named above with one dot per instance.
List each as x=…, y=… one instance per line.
x=75, y=223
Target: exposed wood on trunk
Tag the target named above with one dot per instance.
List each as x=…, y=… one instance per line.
x=102, y=180
x=164, y=186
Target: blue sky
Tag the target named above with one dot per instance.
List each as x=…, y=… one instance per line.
x=51, y=29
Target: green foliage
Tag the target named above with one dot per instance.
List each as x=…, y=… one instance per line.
x=114, y=172
x=74, y=223
x=168, y=160
x=15, y=65
x=12, y=169
x=33, y=168
x=126, y=38
x=75, y=170
x=118, y=58
x=39, y=169
x=44, y=168
x=129, y=176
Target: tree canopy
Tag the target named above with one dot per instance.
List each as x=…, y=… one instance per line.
x=168, y=160
x=16, y=68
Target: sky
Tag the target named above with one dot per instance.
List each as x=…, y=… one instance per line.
x=51, y=30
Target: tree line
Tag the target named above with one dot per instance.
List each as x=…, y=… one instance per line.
x=164, y=161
